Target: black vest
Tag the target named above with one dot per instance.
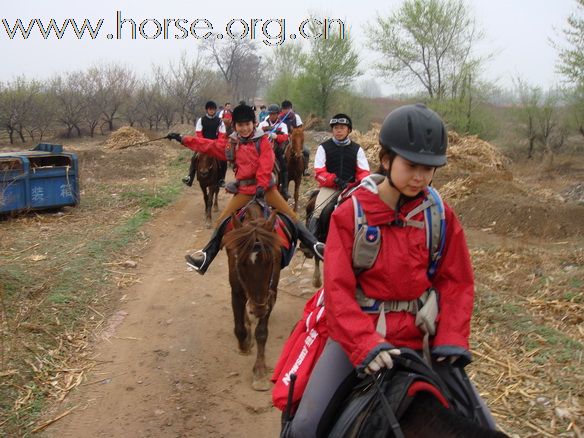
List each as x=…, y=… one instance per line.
x=210, y=127
x=341, y=160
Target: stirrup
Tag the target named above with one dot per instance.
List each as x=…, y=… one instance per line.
x=197, y=265
x=186, y=180
x=318, y=249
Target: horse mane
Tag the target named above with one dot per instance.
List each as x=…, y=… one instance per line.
x=245, y=239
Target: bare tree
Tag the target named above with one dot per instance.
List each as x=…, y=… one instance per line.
x=70, y=103
x=16, y=105
x=91, y=112
x=147, y=105
x=182, y=83
x=529, y=101
x=239, y=64
x=112, y=85
x=41, y=116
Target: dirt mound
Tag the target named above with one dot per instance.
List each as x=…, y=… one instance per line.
x=468, y=153
x=478, y=183
x=506, y=207
x=370, y=144
x=125, y=137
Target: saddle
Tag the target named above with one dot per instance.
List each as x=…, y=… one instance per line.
x=375, y=405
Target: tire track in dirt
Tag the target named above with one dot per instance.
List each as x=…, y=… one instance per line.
x=172, y=368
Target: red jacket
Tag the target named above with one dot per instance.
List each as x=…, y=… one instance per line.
x=248, y=162
x=399, y=273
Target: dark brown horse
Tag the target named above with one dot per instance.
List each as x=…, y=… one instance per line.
x=208, y=175
x=254, y=253
x=295, y=161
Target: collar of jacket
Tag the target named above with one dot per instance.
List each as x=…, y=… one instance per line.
x=257, y=134
x=377, y=211
x=345, y=142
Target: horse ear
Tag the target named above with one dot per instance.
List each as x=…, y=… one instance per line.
x=269, y=225
x=236, y=221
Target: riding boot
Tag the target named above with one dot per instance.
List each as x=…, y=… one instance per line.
x=190, y=178
x=313, y=224
x=311, y=242
x=306, y=154
x=201, y=260
x=284, y=184
x=222, y=173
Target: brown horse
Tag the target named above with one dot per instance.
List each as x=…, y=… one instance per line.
x=254, y=253
x=295, y=161
x=208, y=175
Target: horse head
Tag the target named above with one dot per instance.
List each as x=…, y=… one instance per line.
x=297, y=141
x=205, y=165
x=254, y=254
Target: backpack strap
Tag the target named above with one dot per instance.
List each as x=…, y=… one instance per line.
x=435, y=229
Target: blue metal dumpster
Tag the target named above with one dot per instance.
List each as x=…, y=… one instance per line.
x=45, y=177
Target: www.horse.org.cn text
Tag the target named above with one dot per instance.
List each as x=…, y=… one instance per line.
x=270, y=31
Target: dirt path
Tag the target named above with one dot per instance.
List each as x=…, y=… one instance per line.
x=171, y=367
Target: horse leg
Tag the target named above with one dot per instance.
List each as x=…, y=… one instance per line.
x=206, y=193
x=297, y=181
x=316, y=280
x=216, y=203
x=260, y=374
x=242, y=326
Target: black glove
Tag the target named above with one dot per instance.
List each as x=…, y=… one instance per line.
x=260, y=192
x=174, y=136
x=341, y=183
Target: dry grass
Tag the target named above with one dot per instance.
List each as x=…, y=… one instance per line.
x=528, y=326
x=528, y=339
x=124, y=137
x=61, y=275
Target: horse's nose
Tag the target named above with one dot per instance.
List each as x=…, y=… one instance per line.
x=254, y=311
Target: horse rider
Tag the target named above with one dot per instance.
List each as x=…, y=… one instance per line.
x=414, y=140
x=263, y=113
x=295, y=121
x=212, y=127
x=338, y=162
x=251, y=150
x=279, y=135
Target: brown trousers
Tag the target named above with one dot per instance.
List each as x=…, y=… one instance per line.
x=273, y=198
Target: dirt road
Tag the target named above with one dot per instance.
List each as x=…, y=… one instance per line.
x=170, y=362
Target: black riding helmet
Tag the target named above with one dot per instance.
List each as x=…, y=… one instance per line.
x=342, y=119
x=243, y=113
x=210, y=105
x=415, y=133
x=273, y=108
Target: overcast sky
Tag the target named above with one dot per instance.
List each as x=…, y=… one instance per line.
x=517, y=32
